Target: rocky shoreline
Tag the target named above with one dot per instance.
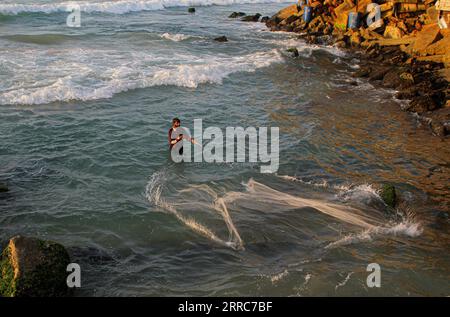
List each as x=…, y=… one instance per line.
x=409, y=54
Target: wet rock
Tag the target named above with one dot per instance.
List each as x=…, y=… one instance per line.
x=438, y=128
x=388, y=195
x=32, y=267
x=265, y=19
x=340, y=44
x=421, y=104
x=395, y=78
x=235, y=15
x=251, y=18
x=362, y=72
x=378, y=74
x=222, y=38
x=3, y=188
x=293, y=51
x=191, y=10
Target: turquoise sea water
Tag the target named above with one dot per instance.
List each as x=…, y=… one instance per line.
x=84, y=119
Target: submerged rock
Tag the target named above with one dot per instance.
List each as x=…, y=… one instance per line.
x=32, y=267
x=3, y=188
x=191, y=10
x=222, y=38
x=251, y=18
x=235, y=15
x=388, y=194
x=293, y=51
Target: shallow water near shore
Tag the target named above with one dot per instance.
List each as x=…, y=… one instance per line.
x=84, y=120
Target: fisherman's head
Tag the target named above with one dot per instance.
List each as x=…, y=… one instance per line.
x=176, y=122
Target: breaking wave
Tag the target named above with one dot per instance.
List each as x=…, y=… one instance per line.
x=175, y=37
x=76, y=83
x=120, y=6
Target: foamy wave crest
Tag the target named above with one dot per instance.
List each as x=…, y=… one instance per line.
x=120, y=6
x=361, y=193
x=306, y=50
x=405, y=228
x=77, y=82
x=175, y=37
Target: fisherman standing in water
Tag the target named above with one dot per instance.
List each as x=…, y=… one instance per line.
x=176, y=135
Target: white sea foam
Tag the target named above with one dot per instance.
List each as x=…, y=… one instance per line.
x=120, y=6
x=360, y=193
x=175, y=37
x=277, y=277
x=96, y=74
x=405, y=228
x=304, y=49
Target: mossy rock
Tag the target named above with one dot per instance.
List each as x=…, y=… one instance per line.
x=31, y=267
x=388, y=194
x=191, y=10
x=3, y=188
x=293, y=51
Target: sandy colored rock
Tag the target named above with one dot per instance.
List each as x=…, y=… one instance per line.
x=428, y=35
x=432, y=58
x=440, y=47
x=287, y=12
x=393, y=32
x=355, y=39
x=362, y=6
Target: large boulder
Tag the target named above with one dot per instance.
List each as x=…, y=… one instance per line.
x=32, y=267
x=287, y=12
x=440, y=47
x=428, y=35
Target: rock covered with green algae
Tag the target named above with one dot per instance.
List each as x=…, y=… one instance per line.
x=31, y=267
x=388, y=194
